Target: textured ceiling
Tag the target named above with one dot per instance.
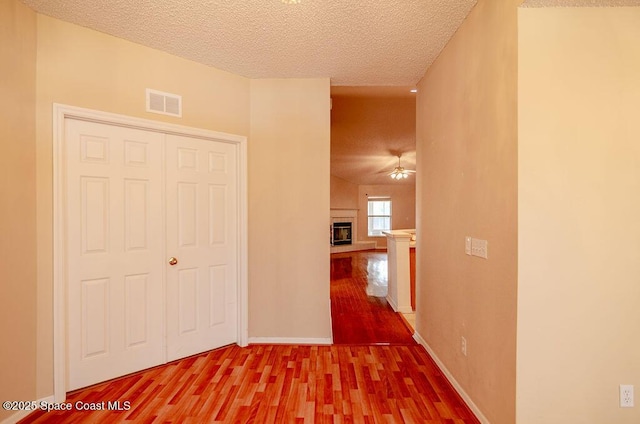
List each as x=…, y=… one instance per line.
x=356, y=42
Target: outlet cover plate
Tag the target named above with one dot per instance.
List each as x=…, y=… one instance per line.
x=626, y=396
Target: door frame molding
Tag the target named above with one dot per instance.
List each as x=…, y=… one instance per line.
x=62, y=112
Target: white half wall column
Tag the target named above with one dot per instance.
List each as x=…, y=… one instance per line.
x=399, y=269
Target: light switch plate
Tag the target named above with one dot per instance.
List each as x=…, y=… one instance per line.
x=479, y=248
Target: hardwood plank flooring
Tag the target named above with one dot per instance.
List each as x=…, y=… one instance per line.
x=357, y=318
x=389, y=380
x=278, y=384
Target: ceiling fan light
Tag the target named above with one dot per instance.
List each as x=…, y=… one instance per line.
x=399, y=172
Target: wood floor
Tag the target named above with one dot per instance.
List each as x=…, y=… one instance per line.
x=357, y=318
x=392, y=381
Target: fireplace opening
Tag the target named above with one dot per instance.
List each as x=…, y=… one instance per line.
x=341, y=233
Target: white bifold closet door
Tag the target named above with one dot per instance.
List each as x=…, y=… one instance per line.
x=135, y=199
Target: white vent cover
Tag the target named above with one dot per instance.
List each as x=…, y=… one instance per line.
x=164, y=103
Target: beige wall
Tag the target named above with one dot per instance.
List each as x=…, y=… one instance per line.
x=403, y=209
x=289, y=209
x=344, y=194
x=579, y=222
x=467, y=186
x=17, y=203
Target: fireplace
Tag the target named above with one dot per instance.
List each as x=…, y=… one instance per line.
x=341, y=233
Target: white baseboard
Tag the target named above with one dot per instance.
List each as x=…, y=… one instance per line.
x=392, y=303
x=458, y=388
x=290, y=340
x=19, y=415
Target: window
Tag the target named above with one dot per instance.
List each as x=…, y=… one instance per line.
x=379, y=213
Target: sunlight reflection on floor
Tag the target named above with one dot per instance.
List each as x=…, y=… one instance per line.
x=377, y=282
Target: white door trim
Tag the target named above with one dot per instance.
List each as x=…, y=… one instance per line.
x=62, y=112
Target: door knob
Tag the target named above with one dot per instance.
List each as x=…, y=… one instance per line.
x=173, y=261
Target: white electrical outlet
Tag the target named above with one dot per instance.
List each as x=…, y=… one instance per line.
x=626, y=396
x=467, y=245
x=463, y=346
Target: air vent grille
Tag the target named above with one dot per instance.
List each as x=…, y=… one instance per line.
x=164, y=103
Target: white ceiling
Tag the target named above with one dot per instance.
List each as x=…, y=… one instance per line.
x=355, y=42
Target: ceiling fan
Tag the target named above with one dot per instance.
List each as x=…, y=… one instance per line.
x=399, y=172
